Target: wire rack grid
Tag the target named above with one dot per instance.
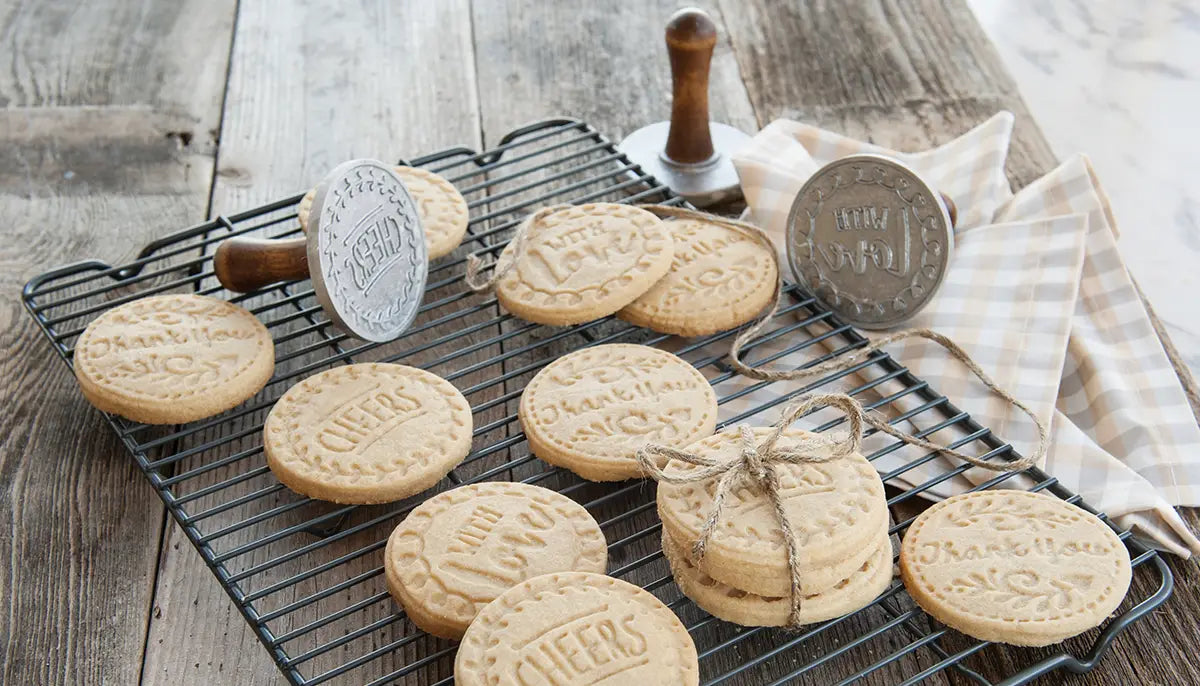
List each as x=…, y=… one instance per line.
x=307, y=575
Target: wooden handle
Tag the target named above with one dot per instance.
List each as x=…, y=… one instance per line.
x=247, y=264
x=951, y=208
x=691, y=35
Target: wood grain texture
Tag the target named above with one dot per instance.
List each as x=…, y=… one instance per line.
x=619, y=80
x=312, y=84
x=111, y=120
x=107, y=137
x=911, y=76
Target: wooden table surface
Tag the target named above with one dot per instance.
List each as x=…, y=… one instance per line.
x=122, y=121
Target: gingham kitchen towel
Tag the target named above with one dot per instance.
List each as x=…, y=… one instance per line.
x=1038, y=295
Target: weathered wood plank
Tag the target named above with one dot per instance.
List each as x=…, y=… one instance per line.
x=608, y=66
x=908, y=76
x=106, y=141
x=312, y=84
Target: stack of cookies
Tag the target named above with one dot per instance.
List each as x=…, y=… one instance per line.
x=837, y=512
x=688, y=277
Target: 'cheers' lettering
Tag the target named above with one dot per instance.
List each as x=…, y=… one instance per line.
x=376, y=247
x=585, y=651
x=360, y=422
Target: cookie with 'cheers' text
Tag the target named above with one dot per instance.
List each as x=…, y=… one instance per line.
x=576, y=628
x=367, y=433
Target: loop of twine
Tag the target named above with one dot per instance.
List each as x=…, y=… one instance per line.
x=849, y=360
x=508, y=259
x=757, y=463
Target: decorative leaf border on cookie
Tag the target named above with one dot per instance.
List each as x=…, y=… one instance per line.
x=1007, y=515
x=1021, y=588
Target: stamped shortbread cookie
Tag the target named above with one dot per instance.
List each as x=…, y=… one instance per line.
x=720, y=278
x=367, y=433
x=576, y=628
x=443, y=210
x=585, y=262
x=591, y=410
x=748, y=609
x=169, y=359
x=837, y=511
x=1014, y=567
x=457, y=551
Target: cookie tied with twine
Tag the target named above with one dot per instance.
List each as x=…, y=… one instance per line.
x=760, y=464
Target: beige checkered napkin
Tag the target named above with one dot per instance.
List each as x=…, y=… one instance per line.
x=1038, y=295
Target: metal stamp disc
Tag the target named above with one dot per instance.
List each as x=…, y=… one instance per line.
x=367, y=256
x=869, y=239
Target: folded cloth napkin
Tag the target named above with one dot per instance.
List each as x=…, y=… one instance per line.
x=1038, y=295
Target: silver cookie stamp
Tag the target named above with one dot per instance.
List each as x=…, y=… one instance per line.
x=870, y=240
x=370, y=250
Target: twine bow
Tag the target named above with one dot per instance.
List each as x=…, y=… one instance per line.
x=757, y=464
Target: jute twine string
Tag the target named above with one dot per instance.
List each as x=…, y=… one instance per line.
x=503, y=264
x=757, y=464
x=847, y=361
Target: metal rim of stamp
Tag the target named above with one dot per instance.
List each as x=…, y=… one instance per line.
x=934, y=224
x=364, y=304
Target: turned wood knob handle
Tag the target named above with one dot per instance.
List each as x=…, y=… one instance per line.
x=247, y=264
x=951, y=208
x=691, y=35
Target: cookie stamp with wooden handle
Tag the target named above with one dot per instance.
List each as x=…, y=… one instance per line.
x=367, y=257
x=870, y=239
x=690, y=154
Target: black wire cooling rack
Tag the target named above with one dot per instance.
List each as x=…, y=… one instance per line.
x=307, y=575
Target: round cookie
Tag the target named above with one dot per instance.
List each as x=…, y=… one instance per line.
x=732, y=605
x=171, y=359
x=585, y=262
x=367, y=433
x=590, y=411
x=443, y=210
x=576, y=628
x=457, y=551
x=1014, y=567
x=720, y=278
x=837, y=510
